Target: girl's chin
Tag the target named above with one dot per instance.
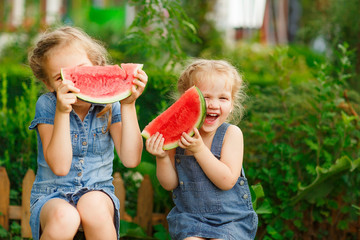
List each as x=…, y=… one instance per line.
x=208, y=126
x=81, y=103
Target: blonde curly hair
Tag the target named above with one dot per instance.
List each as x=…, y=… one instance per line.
x=203, y=70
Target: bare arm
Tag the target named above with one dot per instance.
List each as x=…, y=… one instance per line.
x=126, y=134
x=223, y=173
x=56, y=139
x=165, y=164
x=127, y=138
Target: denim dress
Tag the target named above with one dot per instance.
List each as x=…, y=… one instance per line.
x=92, y=163
x=202, y=209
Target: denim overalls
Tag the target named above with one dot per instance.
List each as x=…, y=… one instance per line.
x=92, y=163
x=202, y=209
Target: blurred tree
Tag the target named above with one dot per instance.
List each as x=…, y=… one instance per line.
x=333, y=22
x=210, y=37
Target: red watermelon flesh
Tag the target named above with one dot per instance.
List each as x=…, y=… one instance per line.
x=102, y=84
x=184, y=115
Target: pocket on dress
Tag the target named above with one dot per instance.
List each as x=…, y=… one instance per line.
x=200, y=197
x=101, y=140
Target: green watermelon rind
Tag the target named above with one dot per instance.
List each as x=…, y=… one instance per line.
x=104, y=100
x=198, y=124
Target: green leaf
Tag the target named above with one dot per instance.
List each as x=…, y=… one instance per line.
x=324, y=181
x=15, y=228
x=3, y=232
x=265, y=208
x=257, y=193
x=258, y=190
x=272, y=231
x=191, y=26
x=161, y=232
x=311, y=144
x=130, y=229
x=357, y=208
x=348, y=119
x=162, y=236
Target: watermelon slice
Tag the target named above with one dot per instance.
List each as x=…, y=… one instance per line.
x=184, y=115
x=102, y=84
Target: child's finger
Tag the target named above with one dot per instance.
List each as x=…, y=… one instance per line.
x=162, y=143
x=67, y=87
x=158, y=141
x=141, y=78
x=70, y=85
x=154, y=139
x=181, y=145
x=67, y=82
x=74, y=89
x=141, y=74
x=69, y=101
x=197, y=134
x=184, y=141
x=139, y=83
x=187, y=137
x=151, y=140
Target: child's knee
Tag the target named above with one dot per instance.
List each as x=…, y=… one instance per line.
x=95, y=206
x=59, y=217
x=59, y=211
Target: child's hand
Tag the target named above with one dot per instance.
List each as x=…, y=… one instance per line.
x=138, y=88
x=65, y=96
x=193, y=144
x=155, y=144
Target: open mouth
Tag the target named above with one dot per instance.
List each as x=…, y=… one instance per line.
x=211, y=117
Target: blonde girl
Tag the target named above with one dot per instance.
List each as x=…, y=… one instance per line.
x=76, y=141
x=210, y=191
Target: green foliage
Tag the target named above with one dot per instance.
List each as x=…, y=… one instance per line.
x=132, y=231
x=18, y=152
x=337, y=22
x=304, y=132
x=154, y=36
x=3, y=233
x=324, y=182
x=257, y=195
x=14, y=232
x=265, y=66
x=161, y=232
x=357, y=209
x=210, y=38
x=16, y=75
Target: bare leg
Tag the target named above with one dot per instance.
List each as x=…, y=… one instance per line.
x=59, y=220
x=96, y=210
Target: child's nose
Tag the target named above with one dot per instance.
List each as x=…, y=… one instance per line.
x=212, y=103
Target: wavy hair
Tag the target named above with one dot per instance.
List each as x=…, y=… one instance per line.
x=200, y=70
x=62, y=37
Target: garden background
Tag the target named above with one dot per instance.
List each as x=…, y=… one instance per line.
x=301, y=128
